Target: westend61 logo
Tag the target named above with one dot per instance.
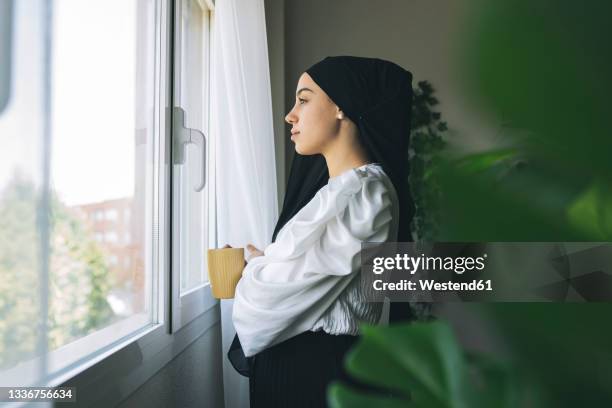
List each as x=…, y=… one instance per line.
x=412, y=264
x=487, y=271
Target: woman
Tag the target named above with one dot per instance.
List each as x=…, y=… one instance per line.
x=299, y=303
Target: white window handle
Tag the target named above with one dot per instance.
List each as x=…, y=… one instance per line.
x=182, y=136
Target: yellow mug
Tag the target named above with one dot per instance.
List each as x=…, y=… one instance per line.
x=225, y=267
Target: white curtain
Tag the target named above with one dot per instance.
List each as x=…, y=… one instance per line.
x=246, y=193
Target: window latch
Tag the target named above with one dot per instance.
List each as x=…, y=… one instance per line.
x=182, y=136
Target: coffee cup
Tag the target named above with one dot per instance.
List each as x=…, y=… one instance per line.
x=225, y=267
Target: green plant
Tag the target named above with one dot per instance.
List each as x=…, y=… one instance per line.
x=426, y=144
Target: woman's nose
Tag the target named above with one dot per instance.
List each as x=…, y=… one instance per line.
x=290, y=118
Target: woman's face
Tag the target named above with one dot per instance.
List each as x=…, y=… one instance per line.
x=314, y=118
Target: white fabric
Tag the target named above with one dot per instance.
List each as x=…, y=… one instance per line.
x=243, y=147
x=315, y=257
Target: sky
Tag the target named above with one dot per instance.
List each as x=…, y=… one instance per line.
x=93, y=99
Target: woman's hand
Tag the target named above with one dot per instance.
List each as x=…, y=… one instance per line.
x=253, y=251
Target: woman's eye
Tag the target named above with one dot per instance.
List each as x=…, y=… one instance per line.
x=301, y=100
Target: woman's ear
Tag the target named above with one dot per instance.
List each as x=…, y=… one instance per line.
x=339, y=113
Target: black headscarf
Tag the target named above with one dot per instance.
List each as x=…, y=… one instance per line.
x=377, y=96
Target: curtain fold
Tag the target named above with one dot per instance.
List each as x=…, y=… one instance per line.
x=246, y=190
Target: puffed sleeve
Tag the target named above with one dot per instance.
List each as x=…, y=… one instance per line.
x=315, y=256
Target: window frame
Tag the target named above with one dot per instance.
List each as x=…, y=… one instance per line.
x=189, y=305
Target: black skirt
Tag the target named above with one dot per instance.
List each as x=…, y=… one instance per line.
x=297, y=371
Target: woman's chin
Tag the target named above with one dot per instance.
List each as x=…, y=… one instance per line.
x=303, y=151
x=299, y=149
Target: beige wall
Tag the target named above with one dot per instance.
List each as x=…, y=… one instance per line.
x=419, y=35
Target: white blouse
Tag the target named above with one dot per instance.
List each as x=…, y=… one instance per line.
x=308, y=278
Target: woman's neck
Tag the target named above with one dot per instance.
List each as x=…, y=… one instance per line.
x=338, y=164
x=346, y=151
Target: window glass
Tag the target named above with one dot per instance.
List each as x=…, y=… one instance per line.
x=92, y=101
x=192, y=95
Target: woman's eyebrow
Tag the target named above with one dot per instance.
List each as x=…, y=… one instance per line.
x=303, y=89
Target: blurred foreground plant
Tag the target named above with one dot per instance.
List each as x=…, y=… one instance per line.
x=422, y=365
x=544, y=66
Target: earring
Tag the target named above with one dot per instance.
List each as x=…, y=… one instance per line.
x=340, y=116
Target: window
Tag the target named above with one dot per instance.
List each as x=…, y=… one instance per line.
x=193, y=27
x=111, y=214
x=82, y=128
x=110, y=237
x=113, y=260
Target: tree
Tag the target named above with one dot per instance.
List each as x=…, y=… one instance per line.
x=79, y=278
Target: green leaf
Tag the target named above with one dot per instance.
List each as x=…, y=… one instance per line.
x=482, y=161
x=341, y=396
x=422, y=360
x=592, y=212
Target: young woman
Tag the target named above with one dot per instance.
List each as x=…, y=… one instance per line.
x=299, y=303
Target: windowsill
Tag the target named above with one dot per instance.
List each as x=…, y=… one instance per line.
x=191, y=304
x=77, y=356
